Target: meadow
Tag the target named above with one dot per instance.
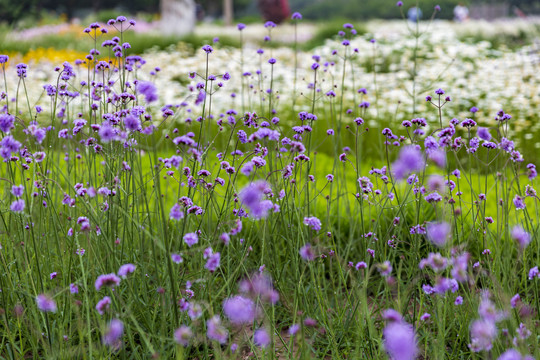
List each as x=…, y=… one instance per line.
x=367, y=192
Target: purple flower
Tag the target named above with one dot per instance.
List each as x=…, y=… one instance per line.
x=392, y=315
x=399, y=4
x=18, y=191
x=45, y=303
x=216, y=331
x=73, y=288
x=107, y=133
x=438, y=233
x=515, y=300
x=458, y=301
x=410, y=159
x=6, y=122
x=176, y=212
x=239, y=310
x=296, y=16
x=400, y=341
x=4, y=59
x=182, y=335
x=436, y=261
x=306, y=252
x=148, y=89
x=213, y=262
x=132, y=123
x=313, y=222
x=207, y=49
x=519, y=203
x=241, y=26
x=483, y=133
x=200, y=97
x=459, y=270
x=53, y=275
x=294, y=329
x=433, y=197
x=511, y=354
x=21, y=70
x=103, y=305
x=260, y=285
x=251, y=196
x=125, y=270
x=176, y=258
x=425, y=317
x=261, y=338
x=385, y=269
x=483, y=332
x=522, y=237
x=534, y=272
x=18, y=205
x=191, y=239
x=113, y=334
x=107, y=280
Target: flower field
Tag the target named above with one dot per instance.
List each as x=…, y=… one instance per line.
x=371, y=198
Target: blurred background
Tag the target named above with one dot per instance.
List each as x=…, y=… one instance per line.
x=25, y=13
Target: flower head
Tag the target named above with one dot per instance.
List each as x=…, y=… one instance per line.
x=182, y=335
x=240, y=310
x=438, y=233
x=45, y=303
x=261, y=338
x=148, y=89
x=410, y=159
x=103, y=305
x=216, y=331
x=125, y=270
x=107, y=280
x=313, y=223
x=400, y=341
x=522, y=237
x=114, y=332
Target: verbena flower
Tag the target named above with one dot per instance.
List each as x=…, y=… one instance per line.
x=107, y=280
x=17, y=205
x=45, y=303
x=125, y=270
x=216, y=331
x=400, y=341
x=183, y=335
x=191, y=239
x=213, y=262
x=261, y=338
x=113, y=334
x=313, y=223
x=240, y=310
x=251, y=196
x=148, y=89
x=519, y=203
x=103, y=305
x=410, y=159
x=306, y=252
x=176, y=258
x=483, y=332
x=438, y=233
x=6, y=122
x=522, y=237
